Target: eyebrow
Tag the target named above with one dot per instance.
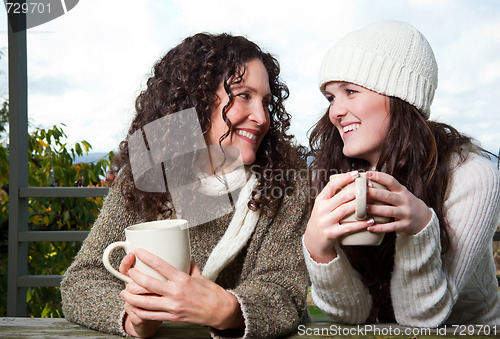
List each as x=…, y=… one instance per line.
x=342, y=84
x=250, y=89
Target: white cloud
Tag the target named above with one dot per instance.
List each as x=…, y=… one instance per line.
x=86, y=67
x=430, y=4
x=469, y=80
x=490, y=73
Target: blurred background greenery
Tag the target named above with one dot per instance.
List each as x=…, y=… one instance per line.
x=52, y=163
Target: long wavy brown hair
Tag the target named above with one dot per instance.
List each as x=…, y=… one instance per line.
x=416, y=152
x=188, y=76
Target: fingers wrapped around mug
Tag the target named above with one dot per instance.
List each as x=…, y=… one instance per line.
x=331, y=206
x=183, y=297
x=166, y=270
x=127, y=263
x=409, y=214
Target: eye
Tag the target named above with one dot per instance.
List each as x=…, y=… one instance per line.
x=350, y=91
x=330, y=98
x=268, y=105
x=244, y=95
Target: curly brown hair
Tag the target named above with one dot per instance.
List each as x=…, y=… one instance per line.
x=188, y=76
x=416, y=152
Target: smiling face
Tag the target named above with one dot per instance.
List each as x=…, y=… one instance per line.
x=248, y=114
x=361, y=117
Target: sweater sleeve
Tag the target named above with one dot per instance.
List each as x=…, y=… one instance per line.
x=337, y=289
x=425, y=285
x=90, y=294
x=273, y=289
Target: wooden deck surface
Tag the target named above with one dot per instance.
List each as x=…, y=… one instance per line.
x=60, y=328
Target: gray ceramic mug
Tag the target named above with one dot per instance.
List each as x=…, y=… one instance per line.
x=363, y=237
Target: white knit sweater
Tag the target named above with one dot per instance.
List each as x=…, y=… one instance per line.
x=429, y=289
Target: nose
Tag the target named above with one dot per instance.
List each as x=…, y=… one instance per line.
x=259, y=114
x=337, y=110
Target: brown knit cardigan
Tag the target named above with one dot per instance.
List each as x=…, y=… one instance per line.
x=268, y=276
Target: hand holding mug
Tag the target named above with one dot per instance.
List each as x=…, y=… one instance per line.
x=330, y=206
x=409, y=214
x=185, y=297
x=167, y=239
x=363, y=237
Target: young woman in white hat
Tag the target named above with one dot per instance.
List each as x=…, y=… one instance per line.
x=435, y=265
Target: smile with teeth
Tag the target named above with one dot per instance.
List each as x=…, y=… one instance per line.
x=351, y=127
x=246, y=134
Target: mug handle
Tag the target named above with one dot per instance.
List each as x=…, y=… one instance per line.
x=107, y=264
x=361, y=198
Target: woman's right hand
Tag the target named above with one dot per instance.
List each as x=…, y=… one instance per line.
x=330, y=206
x=133, y=324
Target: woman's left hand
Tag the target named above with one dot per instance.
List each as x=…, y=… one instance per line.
x=183, y=298
x=410, y=214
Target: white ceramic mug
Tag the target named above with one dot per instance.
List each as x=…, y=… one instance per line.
x=167, y=239
x=363, y=237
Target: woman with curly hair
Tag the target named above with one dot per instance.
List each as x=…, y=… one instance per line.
x=257, y=290
x=435, y=265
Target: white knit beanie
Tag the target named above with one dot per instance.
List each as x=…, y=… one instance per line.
x=388, y=57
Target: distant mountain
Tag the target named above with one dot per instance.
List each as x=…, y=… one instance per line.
x=495, y=160
x=91, y=157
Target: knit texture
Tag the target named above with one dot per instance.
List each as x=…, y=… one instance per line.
x=237, y=234
x=329, y=288
x=389, y=57
x=268, y=276
x=429, y=289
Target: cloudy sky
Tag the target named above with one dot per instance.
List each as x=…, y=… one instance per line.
x=86, y=67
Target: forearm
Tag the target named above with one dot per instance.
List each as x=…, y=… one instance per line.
x=90, y=294
x=426, y=282
x=267, y=311
x=232, y=316
x=337, y=289
x=94, y=303
x=419, y=286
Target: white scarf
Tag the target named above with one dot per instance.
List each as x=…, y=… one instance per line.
x=242, y=224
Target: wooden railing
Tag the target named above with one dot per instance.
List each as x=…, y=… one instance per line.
x=19, y=237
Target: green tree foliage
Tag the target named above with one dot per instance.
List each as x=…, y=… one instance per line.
x=52, y=163
x=4, y=117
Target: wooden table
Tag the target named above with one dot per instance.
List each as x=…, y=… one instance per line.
x=35, y=328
